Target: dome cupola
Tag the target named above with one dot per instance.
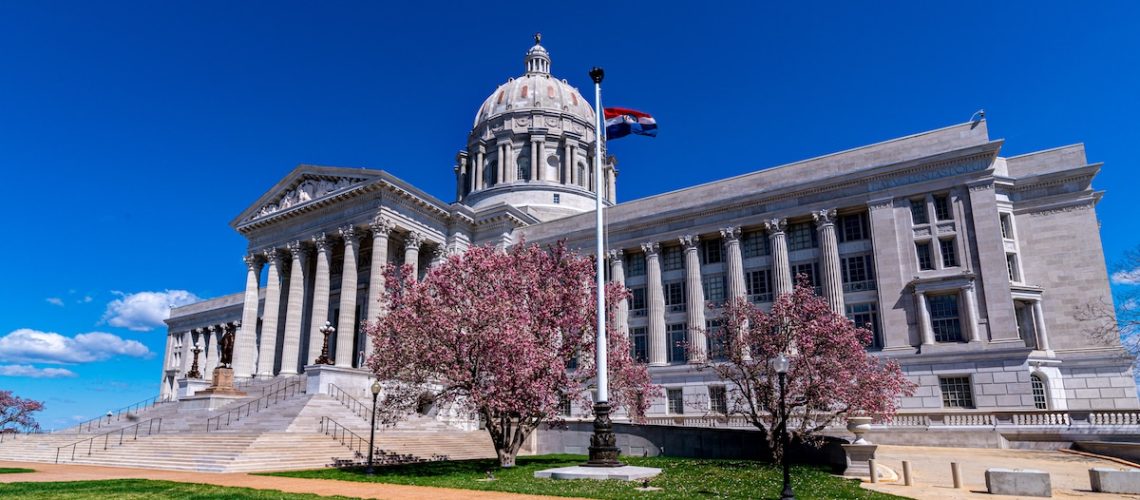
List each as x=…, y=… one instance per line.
x=531, y=146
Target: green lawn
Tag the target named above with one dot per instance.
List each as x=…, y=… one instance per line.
x=681, y=478
x=13, y=470
x=139, y=489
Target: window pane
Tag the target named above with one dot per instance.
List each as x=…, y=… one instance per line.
x=754, y=244
x=1039, y=400
x=712, y=251
x=944, y=317
x=949, y=252
x=853, y=227
x=918, y=211
x=759, y=285
x=675, y=296
x=676, y=403
x=811, y=269
x=956, y=392
x=640, y=344
x=636, y=263
x=1007, y=226
x=925, y=262
x=718, y=401
x=637, y=302
x=942, y=207
x=801, y=236
x=1011, y=265
x=866, y=315
x=677, y=339
x=672, y=258
x=713, y=287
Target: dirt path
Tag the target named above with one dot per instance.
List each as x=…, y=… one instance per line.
x=1068, y=473
x=71, y=472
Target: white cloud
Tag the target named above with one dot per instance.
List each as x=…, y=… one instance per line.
x=144, y=311
x=55, y=301
x=85, y=299
x=31, y=371
x=1129, y=277
x=31, y=346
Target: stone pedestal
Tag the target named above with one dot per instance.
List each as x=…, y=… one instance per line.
x=221, y=392
x=1115, y=480
x=190, y=386
x=1022, y=482
x=857, y=457
x=354, y=381
x=624, y=473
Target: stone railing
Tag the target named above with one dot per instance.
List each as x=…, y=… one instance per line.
x=965, y=419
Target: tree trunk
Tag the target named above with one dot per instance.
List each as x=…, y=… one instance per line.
x=506, y=457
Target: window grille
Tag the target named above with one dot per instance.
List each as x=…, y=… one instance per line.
x=956, y=392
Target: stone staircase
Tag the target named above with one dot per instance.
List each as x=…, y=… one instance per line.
x=286, y=434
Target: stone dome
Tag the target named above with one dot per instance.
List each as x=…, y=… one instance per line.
x=535, y=90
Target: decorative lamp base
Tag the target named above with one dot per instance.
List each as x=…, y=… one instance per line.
x=603, y=444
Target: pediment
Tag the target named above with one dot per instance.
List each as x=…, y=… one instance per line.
x=305, y=187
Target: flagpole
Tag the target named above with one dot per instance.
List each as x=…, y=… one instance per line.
x=603, y=444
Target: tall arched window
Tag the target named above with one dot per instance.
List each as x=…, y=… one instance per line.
x=1040, y=401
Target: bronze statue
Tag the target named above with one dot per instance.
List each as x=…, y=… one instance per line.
x=228, y=346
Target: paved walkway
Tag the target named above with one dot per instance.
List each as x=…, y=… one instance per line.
x=70, y=472
x=931, y=470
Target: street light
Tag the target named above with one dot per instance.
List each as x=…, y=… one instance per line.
x=780, y=366
x=372, y=431
x=324, y=358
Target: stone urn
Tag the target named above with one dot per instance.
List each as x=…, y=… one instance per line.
x=859, y=426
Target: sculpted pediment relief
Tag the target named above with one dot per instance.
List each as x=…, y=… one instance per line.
x=308, y=189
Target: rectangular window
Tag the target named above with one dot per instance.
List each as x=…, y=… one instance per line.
x=637, y=302
x=754, y=244
x=949, y=252
x=676, y=402
x=866, y=315
x=759, y=285
x=675, y=296
x=639, y=344
x=944, y=317
x=713, y=287
x=718, y=399
x=942, y=207
x=1007, y=226
x=918, y=212
x=801, y=236
x=672, y=258
x=858, y=273
x=925, y=261
x=854, y=227
x=678, y=340
x=715, y=344
x=557, y=199
x=564, y=406
x=636, y=264
x=1011, y=265
x=956, y=392
x=712, y=251
x=811, y=269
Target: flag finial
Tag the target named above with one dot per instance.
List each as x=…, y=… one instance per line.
x=537, y=37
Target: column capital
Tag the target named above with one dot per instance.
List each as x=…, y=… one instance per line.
x=321, y=242
x=272, y=256
x=824, y=217
x=413, y=240
x=616, y=254
x=298, y=249
x=776, y=226
x=253, y=261
x=730, y=233
x=381, y=226
x=689, y=241
x=651, y=248
x=349, y=234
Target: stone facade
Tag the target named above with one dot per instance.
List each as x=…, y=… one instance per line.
x=968, y=266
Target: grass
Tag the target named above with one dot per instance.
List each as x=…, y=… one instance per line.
x=681, y=478
x=141, y=489
x=14, y=470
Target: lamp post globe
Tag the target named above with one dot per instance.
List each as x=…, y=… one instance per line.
x=372, y=430
x=780, y=365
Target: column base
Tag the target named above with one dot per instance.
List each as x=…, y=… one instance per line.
x=355, y=381
x=603, y=444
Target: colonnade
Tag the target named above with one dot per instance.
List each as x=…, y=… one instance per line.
x=471, y=168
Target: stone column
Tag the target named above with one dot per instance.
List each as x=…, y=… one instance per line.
x=540, y=170
x=509, y=163
x=658, y=348
x=245, y=345
x=291, y=344
x=459, y=177
x=381, y=229
x=829, y=259
x=412, y=243
x=780, y=267
x=267, y=355
x=617, y=275
x=346, y=324
x=735, y=264
x=924, y=328
x=611, y=185
x=971, y=307
x=696, y=307
x=211, y=348
x=187, y=344
x=480, y=165
x=1039, y=325
x=568, y=163
x=321, y=286
x=533, y=159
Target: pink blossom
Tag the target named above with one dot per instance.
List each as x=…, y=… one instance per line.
x=16, y=412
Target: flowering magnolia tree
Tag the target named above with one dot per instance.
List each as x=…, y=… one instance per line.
x=830, y=374
x=16, y=413
x=493, y=333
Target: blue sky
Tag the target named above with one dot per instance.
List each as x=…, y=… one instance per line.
x=132, y=133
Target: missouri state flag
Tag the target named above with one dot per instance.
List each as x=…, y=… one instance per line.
x=621, y=122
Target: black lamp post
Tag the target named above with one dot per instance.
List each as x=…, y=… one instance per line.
x=324, y=358
x=194, y=373
x=372, y=431
x=780, y=366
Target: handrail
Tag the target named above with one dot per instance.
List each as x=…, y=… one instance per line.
x=330, y=427
x=354, y=405
x=118, y=414
x=245, y=409
x=107, y=437
x=10, y=434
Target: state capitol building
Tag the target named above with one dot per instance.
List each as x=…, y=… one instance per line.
x=968, y=266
